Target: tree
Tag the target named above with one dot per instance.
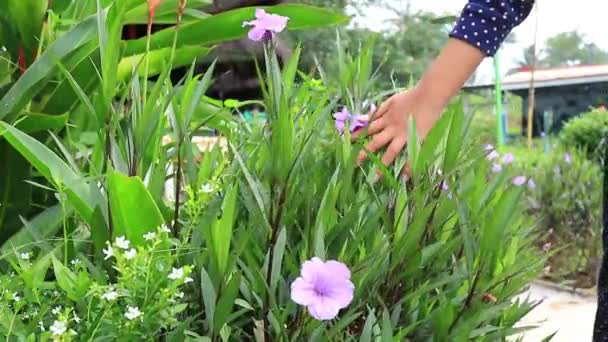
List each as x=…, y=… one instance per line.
x=570, y=48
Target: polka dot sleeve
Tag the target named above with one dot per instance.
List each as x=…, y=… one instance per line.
x=486, y=23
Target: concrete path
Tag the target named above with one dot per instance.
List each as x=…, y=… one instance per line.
x=571, y=315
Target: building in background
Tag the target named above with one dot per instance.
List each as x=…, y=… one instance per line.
x=561, y=93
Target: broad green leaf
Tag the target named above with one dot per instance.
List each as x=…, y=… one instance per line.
x=15, y=193
x=228, y=26
x=166, y=13
x=226, y=302
x=209, y=296
x=134, y=212
x=29, y=17
x=159, y=60
x=277, y=259
x=40, y=72
x=39, y=229
x=221, y=232
x=36, y=122
x=84, y=197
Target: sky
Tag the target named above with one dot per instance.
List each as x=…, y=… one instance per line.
x=554, y=16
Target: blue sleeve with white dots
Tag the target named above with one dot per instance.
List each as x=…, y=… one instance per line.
x=486, y=23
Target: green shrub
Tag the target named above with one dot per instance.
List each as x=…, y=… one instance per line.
x=442, y=255
x=586, y=132
x=566, y=204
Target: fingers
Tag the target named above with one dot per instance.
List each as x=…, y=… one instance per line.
x=384, y=107
x=380, y=140
x=392, y=151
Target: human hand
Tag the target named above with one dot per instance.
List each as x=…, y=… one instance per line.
x=389, y=126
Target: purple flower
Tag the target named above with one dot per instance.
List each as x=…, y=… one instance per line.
x=355, y=122
x=567, y=158
x=445, y=186
x=519, y=181
x=547, y=247
x=531, y=184
x=493, y=155
x=265, y=25
x=496, y=168
x=508, y=158
x=489, y=147
x=323, y=287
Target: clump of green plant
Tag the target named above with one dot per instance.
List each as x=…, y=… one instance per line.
x=139, y=295
x=586, y=132
x=284, y=236
x=566, y=206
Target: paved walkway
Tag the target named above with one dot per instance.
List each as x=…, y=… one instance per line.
x=571, y=315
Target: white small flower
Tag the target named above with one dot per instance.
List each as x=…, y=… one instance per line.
x=41, y=325
x=109, y=252
x=56, y=310
x=188, y=280
x=179, y=294
x=207, y=188
x=16, y=297
x=76, y=318
x=165, y=228
x=56, y=293
x=76, y=262
x=122, y=242
x=176, y=273
x=26, y=256
x=110, y=295
x=58, y=328
x=150, y=236
x=132, y=313
x=130, y=254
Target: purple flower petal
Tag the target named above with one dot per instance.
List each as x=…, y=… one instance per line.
x=338, y=269
x=445, y=186
x=323, y=287
x=342, y=115
x=567, y=158
x=360, y=121
x=531, y=184
x=493, y=155
x=519, y=181
x=489, y=147
x=271, y=22
x=324, y=309
x=303, y=292
x=508, y=158
x=496, y=168
x=265, y=25
x=256, y=34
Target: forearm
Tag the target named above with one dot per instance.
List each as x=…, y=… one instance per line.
x=448, y=73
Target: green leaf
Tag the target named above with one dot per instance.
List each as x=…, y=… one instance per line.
x=36, y=122
x=226, y=302
x=228, y=26
x=29, y=17
x=83, y=196
x=159, y=60
x=134, y=212
x=38, y=230
x=277, y=259
x=209, y=296
x=15, y=193
x=39, y=73
x=66, y=279
x=221, y=232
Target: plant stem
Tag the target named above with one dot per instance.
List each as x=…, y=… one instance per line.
x=178, y=185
